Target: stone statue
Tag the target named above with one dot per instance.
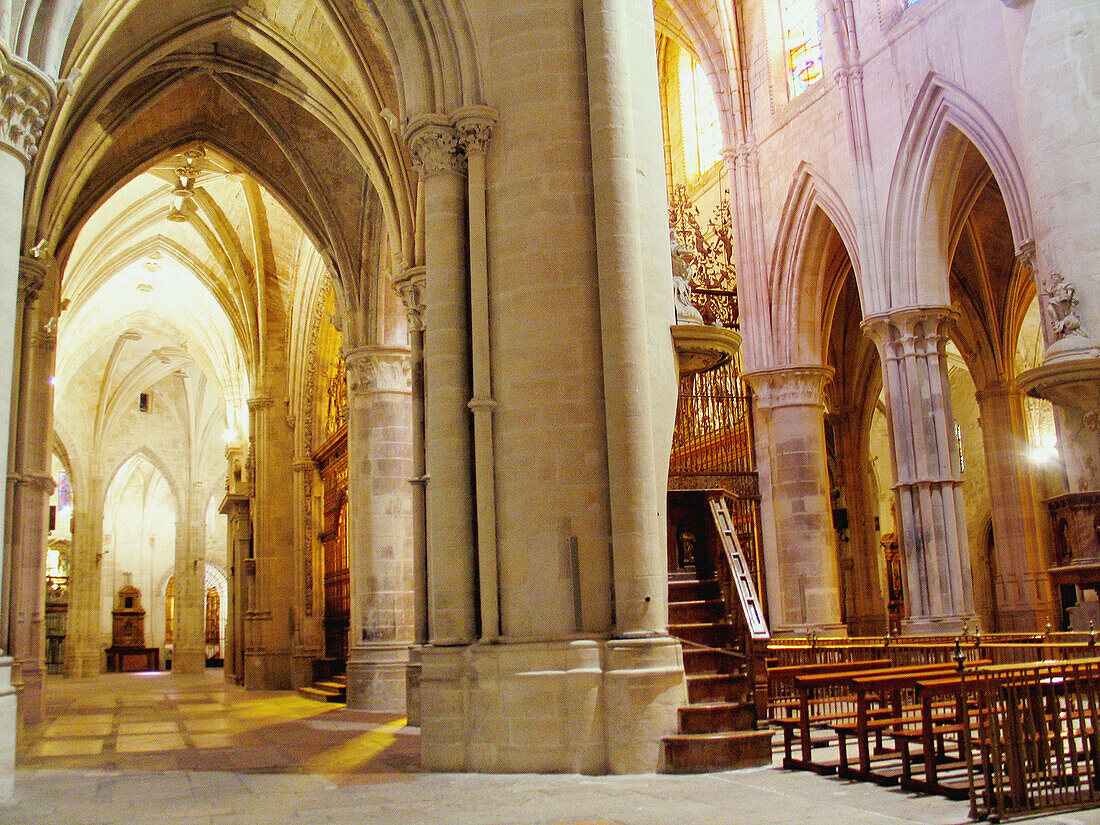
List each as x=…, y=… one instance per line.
x=1062, y=307
x=682, y=270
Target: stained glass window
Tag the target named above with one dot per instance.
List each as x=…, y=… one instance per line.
x=702, y=137
x=802, y=41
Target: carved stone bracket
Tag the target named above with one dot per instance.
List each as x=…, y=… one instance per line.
x=32, y=276
x=411, y=287
x=434, y=144
x=797, y=386
x=26, y=97
x=378, y=369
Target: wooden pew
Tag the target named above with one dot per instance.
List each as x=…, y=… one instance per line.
x=782, y=692
x=891, y=715
x=823, y=698
x=932, y=731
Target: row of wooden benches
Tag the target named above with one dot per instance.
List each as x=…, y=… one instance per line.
x=899, y=719
x=1016, y=738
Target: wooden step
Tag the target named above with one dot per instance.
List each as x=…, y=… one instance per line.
x=688, y=590
x=716, y=687
x=708, y=634
x=712, y=660
x=701, y=610
x=699, y=752
x=715, y=717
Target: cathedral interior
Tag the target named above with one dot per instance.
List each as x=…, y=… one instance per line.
x=523, y=370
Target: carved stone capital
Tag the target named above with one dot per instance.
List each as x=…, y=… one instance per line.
x=305, y=465
x=434, y=145
x=910, y=331
x=799, y=386
x=475, y=128
x=411, y=287
x=260, y=402
x=26, y=97
x=378, y=369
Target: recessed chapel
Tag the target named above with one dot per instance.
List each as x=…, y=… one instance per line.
x=431, y=349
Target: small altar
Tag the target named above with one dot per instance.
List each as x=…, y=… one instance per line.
x=128, y=652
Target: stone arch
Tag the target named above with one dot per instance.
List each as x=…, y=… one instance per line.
x=801, y=299
x=713, y=45
x=269, y=81
x=145, y=453
x=943, y=120
x=430, y=44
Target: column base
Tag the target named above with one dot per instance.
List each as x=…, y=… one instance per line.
x=412, y=685
x=31, y=683
x=939, y=625
x=580, y=706
x=376, y=677
x=867, y=626
x=84, y=664
x=8, y=728
x=303, y=672
x=265, y=670
x=188, y=662
x=1026, y=619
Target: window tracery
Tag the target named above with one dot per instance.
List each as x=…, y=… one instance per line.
x=802, y=44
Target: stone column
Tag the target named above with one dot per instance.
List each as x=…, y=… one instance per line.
x=238, y=548
x=803, y=578
x=26, y=96
x=450, y=520
x=379, y=521
x=309, y=644
x=83, y=645
x=268, y=598
x=1022, y=586
x=411, y=288
x=475, y=128
x=32, y=485
x=189, y=594
x=861, y=555
x=932, y=518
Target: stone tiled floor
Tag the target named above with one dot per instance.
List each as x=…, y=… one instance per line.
x=165, y=750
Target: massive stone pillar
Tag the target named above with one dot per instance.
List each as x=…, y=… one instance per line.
x=802, y=573
x=379, y=521
x=1022, y=586
x=581, y=395
x=26, y=96
x=448, y=465
x=189, y=585
x=269, y=572
x=932, y=518
x=33, y=484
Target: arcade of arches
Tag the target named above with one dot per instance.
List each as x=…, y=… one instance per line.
x=338, y=342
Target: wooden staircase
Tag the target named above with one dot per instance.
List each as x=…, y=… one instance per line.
x=717, y=728
x=328, y=689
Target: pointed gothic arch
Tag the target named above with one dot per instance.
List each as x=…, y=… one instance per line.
x=943, y=119
x=814, y=210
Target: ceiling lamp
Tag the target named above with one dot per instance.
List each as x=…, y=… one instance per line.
x=184, y=192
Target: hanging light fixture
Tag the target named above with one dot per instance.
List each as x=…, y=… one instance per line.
x=183, y=192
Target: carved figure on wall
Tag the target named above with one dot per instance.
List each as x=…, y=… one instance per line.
x=1062, y=307
x=682, y=274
